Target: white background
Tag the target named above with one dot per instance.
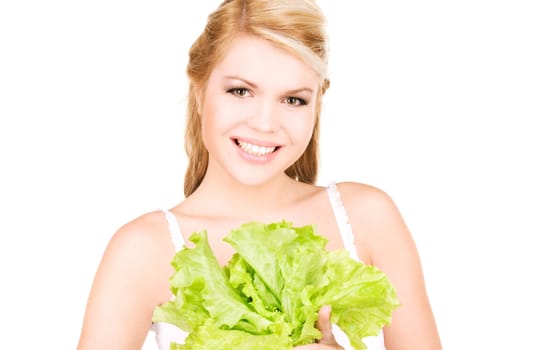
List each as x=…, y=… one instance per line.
x=430, y=101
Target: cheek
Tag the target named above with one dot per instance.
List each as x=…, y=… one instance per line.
x=220, y=112
x=218, y=117
x=301, y=127
x=209, y=123
x=211, y=118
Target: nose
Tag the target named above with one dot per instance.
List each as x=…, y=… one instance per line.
x=264, y=117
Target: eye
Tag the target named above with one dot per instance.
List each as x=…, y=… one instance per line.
x=239, y=92
x=295, y=101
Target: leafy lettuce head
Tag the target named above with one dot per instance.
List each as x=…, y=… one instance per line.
x=270, y=292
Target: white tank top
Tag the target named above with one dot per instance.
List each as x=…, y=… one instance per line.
x=166, y=333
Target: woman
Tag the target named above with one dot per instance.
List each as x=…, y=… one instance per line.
x=257, y=76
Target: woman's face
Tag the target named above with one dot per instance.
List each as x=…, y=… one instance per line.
x=258, y=111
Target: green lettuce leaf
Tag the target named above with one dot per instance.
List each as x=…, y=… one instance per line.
x=210, y=336
x=270, y=292
x=361, y=297
x=203, y=291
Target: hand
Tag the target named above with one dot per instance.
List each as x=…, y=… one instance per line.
x=327, y=341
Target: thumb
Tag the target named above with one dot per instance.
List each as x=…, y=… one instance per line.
x=325, y=326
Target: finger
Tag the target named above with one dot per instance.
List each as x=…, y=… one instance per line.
x=325, y=326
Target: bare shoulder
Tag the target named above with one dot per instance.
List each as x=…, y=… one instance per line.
x=144, y=232
x=134, y=270
x=367, y=203
x=381, y=233
x=142, y=247
x=377, y=223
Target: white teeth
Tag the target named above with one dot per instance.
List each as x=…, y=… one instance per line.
x=255, y=149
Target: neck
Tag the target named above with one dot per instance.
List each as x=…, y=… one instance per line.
x=219, y=195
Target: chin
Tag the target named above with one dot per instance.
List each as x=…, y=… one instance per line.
x=254, y=181
x=256, y=178
x=251, y=174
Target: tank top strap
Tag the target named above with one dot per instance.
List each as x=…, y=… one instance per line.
x=345, y=229
x=175, y=230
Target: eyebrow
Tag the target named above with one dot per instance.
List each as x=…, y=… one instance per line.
x=234, y=77
x=294, y=91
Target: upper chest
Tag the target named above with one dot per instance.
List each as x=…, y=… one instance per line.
x=316, y=211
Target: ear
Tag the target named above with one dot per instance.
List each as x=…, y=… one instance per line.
x=324, y=86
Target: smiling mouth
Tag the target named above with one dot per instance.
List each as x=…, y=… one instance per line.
x=255, y=150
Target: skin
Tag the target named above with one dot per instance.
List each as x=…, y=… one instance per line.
x=256, y=104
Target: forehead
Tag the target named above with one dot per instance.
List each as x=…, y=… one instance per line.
x=262, y=63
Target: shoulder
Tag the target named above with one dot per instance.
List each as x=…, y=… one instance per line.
x=381, y=232
x=134, y=270
x=366, y=201
x=380, y=229
x=140, y=251
x=377, y=223
x=142, y=234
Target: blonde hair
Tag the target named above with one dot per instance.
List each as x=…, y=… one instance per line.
x=296, y=26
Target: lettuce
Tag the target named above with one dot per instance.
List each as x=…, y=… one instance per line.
x=268, y=295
